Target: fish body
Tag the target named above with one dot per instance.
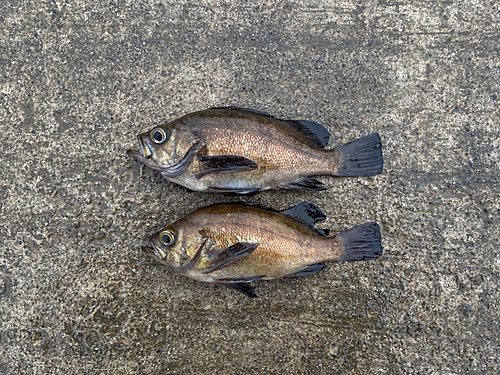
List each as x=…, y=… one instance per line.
x=241, y=151
x=233, y=244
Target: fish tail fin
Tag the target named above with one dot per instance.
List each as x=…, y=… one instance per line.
x=361, y=242
x=361, y=158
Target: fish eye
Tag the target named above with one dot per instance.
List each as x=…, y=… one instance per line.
x=158, y=135
x=167, y=237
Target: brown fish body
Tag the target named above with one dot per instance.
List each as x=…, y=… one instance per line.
x=280, y=152
x=236, y=243
x=243, y=151
x=285, y=246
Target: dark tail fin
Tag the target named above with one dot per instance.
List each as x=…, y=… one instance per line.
x=361, y=242
x=362, y=157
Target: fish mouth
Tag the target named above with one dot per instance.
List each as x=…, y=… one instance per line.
x=153, y=252
x=144, y=154
x=149, y=251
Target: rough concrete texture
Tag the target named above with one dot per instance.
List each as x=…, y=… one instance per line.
x=79, y=80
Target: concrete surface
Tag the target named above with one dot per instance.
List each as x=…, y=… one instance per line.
x=80, y=79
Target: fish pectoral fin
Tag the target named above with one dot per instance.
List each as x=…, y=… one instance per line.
x=225, y=164
x=224, y=257
x=304, y=183
x=241, y=285
x=307, y=214
x=309, y=270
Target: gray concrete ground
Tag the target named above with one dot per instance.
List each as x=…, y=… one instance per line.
x=80, y=79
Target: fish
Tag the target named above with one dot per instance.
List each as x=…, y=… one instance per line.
x=236, y=243
x=235, y=151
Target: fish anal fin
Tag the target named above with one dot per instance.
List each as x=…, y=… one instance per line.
x=225, y=164
x=224, y=257
x=309, y=270
x=304, y=183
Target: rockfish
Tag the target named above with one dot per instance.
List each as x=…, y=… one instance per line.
x=242, y=151
x=233, y=244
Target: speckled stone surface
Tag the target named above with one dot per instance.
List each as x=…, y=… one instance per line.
x=79, y=80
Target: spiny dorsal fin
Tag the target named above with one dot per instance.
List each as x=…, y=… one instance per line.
x=244, y=109
x=307, y=214
x=316, y=133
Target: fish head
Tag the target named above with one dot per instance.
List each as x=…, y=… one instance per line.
x=162, y=247
x=172, y=246
x=157, y=148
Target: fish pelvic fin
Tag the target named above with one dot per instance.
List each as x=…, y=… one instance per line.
x=363, y=242
x=229, y=255
x=244, y=288
x=361, y=158
x=241, y=285
x=229, y=191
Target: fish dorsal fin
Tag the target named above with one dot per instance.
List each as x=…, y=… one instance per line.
x=307, y=214
x=316, y=133
x=257, y=205
x=245, y=110
x=313, y=131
